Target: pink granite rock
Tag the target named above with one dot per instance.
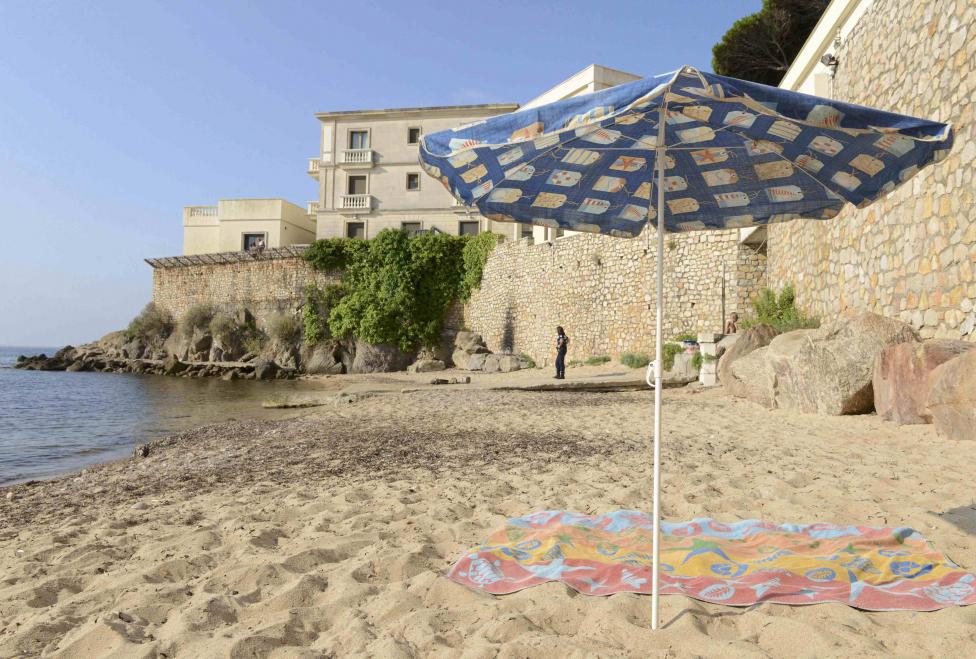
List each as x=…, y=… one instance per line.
x=902, y=378
x=952, y=397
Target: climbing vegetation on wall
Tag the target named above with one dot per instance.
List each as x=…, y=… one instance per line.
x=396, y=288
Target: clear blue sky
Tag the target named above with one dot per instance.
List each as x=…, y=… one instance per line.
x=116, y=114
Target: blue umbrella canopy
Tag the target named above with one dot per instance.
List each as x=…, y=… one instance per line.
x=738, y=154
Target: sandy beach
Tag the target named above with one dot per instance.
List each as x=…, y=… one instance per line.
x=329, y=534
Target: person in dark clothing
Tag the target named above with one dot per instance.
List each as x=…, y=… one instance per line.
x=562, y=345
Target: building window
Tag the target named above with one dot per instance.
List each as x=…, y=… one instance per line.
x=359, y=139
x=413, y=181
x=254, y=241
x=525, y=230
x=469, y=228
x=411, y=228
x=356, y=185
x=356, y=230
x=413, y=136
x=558, y=233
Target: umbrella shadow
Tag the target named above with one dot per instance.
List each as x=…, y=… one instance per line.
x=962, y=517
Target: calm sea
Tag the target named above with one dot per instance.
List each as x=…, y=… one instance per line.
x=55, y=422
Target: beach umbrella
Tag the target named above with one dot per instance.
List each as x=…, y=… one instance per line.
x=714, y=152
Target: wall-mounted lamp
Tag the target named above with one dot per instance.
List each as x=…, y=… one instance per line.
x=830, y=62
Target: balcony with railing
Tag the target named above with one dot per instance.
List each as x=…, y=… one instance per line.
x=356, y=203
x=313, y=167
x=313, y=207
x=356, y=158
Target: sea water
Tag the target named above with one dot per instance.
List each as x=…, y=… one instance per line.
x=53, y=422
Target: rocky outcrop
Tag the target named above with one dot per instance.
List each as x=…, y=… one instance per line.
x=378, y=358
x=426, y=366
x=467, y=345
x=323, y=359
x=952, y=397
x=827, y=370
x=746, y=342
x=902, y=378
x=265, y=369
x=173, y=366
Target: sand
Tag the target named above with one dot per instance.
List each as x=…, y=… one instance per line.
x=329, y=534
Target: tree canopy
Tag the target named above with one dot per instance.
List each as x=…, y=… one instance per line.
x=760, y=47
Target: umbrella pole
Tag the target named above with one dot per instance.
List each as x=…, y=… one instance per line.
x=658, y=365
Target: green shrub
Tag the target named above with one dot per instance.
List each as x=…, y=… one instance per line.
x=395, y=288
x=698, y=359
x=151, y=323
x=253, y=340
x=475, y=254
x=779, y=311
x=687, y=336
x=597, y=360
x=668, y=353
x=315, y=312
x=635, y=359
x=284, y=328
x=528, y=360
x=223, y=327
x=197, y=317
x=334, y=253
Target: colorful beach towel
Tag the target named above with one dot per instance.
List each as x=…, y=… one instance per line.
x=740, y=564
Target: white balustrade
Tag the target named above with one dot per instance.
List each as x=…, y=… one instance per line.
x=356, y=202
x=357, y=157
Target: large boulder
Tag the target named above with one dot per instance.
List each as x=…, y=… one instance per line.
x=902, y=378
x=379, y=358
x=952, y=397
x=474, y=362
x=832, y=370
x=444, y=349
x=199, y=345
x=726, y=342
x=470, y=342
x=426, y=366
x=508, y=363
x=746, y=342
x=265, y=369
x=285, y=355
x=134, y=349
x=753, y=377
x=174, y=366
x=322, y=359
x=492, y=364
x=828, y=370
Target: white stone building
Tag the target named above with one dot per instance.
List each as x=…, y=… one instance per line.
x=369, y=179
x=369, y=176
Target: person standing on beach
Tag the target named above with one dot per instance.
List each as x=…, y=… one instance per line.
x=562, y=345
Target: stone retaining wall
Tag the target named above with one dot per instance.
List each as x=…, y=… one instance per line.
x=264, y=285
x=912, y=255
x=601, y=290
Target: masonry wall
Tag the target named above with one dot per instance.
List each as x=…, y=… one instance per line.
x=263, y=286
x=602, y=291
x=912, y=255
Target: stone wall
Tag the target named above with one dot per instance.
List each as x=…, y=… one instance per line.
x=912, y=255
x=274, y=282
x=602, y=291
